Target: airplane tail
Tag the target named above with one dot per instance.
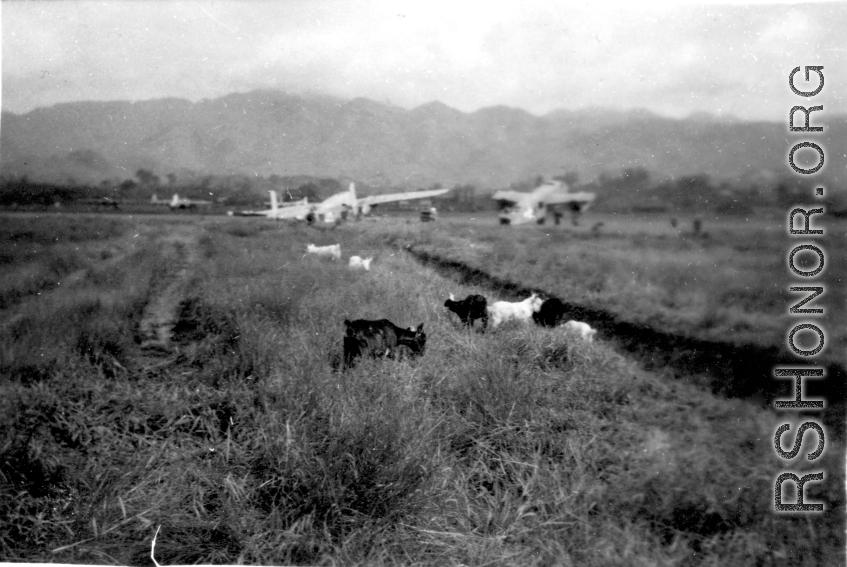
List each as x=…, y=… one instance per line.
x=175, y=200
x=355, y=208
x=274, y=203
x=154, y=199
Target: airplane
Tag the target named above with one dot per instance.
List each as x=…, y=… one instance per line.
x=548, y=199
x=339, y=206
x=178, y=203
x=275, y=209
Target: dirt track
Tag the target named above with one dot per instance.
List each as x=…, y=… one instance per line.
x=731, y=370
x=160, y=314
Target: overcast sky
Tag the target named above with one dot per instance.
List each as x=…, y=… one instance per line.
x=539, y=56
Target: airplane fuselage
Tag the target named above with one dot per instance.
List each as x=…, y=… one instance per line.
x=337, y=207
x=550, y=199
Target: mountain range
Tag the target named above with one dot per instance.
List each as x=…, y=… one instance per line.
x=270, y=132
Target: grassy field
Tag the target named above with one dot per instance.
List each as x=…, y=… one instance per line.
x=237, y=439
x=730, y=283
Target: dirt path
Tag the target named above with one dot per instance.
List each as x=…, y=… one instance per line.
x=162, y=311
x=727, y=369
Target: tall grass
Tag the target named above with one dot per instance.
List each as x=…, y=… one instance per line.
x=523, y=446
x=38, y=255
x=730, y=285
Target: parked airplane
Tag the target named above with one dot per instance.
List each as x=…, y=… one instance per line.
x=552, y=198
x=275, y=209
x=179, y=203
x=338, y=206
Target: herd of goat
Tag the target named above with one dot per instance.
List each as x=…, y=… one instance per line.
x=382, y=338
x=546, y=313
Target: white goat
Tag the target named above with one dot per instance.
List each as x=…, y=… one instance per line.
x=584, y=329
x=333, y=250
x=501, y=311
x=357, y=262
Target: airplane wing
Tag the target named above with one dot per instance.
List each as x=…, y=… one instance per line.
x=264, y=213
x=391, y=197
x=569, y=198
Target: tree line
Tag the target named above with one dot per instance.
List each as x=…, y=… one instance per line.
x=633, y=189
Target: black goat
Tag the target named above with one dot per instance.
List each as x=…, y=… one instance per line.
x=551, y=313
x=470, y=309
x=380, y=338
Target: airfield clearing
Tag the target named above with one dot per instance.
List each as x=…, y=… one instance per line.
x=514, y=447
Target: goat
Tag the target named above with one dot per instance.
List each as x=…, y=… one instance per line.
x=584, y=329
x=380, y=338
x=333, y=250
x=357, y=262
x=551, y=313
x=502, y=311
x=470, y=309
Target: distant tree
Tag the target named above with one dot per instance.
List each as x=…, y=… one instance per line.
x=464, y=197
x=787, y=194
x=310, y=190
x=330, y=186
x=694, y=191
x=638, y=176
x=21, y=191
x=147, y=178
x=129, y=188
x=464, y=193
x=631, y=178
x=459, y=198
x=570, y=178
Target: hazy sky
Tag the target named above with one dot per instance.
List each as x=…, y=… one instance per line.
x=672, y=59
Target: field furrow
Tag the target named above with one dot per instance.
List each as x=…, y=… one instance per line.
x=727, y=369
x=162, y=311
